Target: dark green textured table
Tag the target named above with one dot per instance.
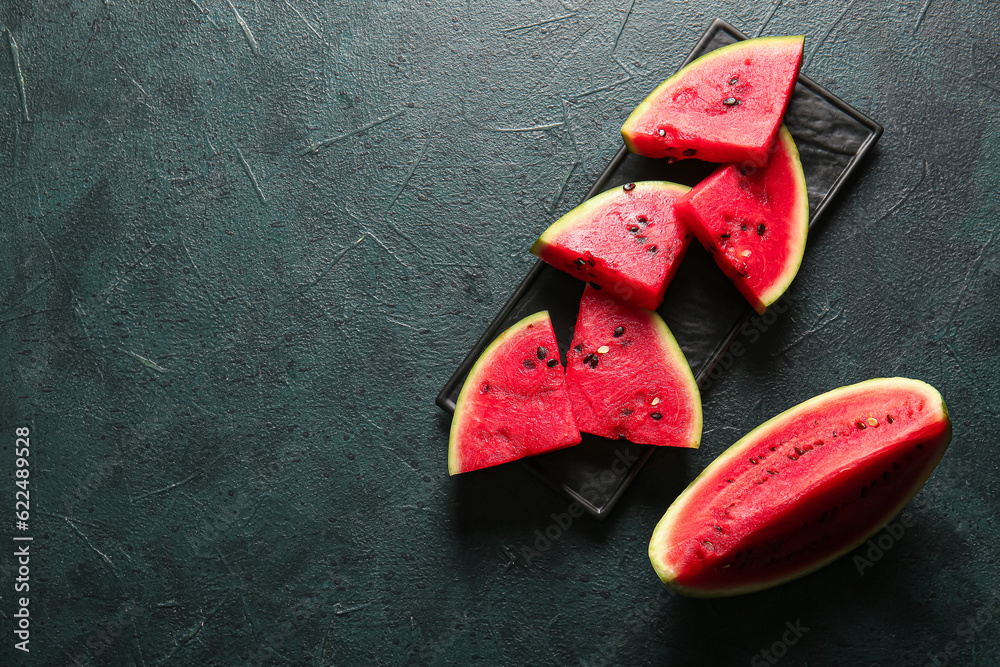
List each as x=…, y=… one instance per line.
x=246, y=243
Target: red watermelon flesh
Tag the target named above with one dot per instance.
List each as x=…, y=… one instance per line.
x=802, y=489
x=628, y=378
x=514, y=401
x=725, y=106
x=753, y=221
x=626, y=241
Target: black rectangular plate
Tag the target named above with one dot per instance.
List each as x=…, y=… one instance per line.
x=702, y=308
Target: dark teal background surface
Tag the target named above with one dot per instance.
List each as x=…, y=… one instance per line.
x=246, y=242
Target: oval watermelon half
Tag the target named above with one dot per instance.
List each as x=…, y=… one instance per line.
x=802, y=489
x=514, y=402
x=725, y=106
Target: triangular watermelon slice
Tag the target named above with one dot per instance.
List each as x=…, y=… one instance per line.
x=514, y=401
x=626, y=241
x=753, y=221
x=628, y=378
x=725, y=106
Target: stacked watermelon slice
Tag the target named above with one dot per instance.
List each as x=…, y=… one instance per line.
x=625, y=376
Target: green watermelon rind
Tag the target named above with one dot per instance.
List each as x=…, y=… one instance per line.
x=657, y=543
x=800, y=219
x=672, y=358
x=677, y=360
x=581, y=214
x=695, y=64
x=471, y=380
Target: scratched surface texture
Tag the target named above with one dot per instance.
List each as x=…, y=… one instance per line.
x=245, y=242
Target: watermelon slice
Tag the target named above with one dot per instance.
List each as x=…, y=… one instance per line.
x=628, y=378
x=626, y=240
x=725, y=106
x=753, y=221
x=802, y=489
x=514, y=401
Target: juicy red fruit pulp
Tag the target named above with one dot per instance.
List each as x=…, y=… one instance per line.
x=628, y=379
x=725, y=106
x=753, y=221
x=514, y=403
x=626, y=241
x=805, y=490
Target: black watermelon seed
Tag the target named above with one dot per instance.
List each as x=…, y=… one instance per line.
x=552, y=363
x=733, y=81
x=719, y=528
x=657, y=416
x=581, y=261
x=542, y=352
x=628, y=187
x=724, y=236
x=798, y=450
x=861, y=425
x=773, y=448
x=652, y=248
x=730, y=481
x=593, y=362
x=753, y=460
x=619, y=331
x=689, y=152
x=793, y=457
x=587, y=358
x=595, y=285
x=633, y=229
x=578, y=348
x=743, y=226
x=591, y=262
x=641, y=218
x=730, y=101
x=760, y=229
x=529, y=364
x=888, y=418
x=486, y=389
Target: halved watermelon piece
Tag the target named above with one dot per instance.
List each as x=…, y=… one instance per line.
x=802, y=489
x=626, y=240
x=628, y=378
x=753, y=221
x=514, y=402
x=725, y=106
